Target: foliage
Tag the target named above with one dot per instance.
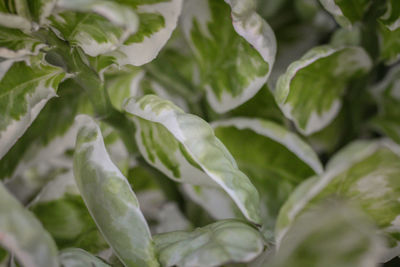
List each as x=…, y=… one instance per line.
x=199, y=133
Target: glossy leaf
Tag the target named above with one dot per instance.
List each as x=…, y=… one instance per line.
x=365, y=174
x=23, y=235
x=235, y=49
x=23, y=97
x=212, y=245
x=185, y=148
x=313, y=100
x=110, y=200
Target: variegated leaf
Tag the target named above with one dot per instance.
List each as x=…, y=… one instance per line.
x=365, y=174
x=346, y=12
x=98, y=26
x=387, y=93
x=234, y=47
x=15, y=44
x=110, y=199
x=185, y=148
x=275, y=159
x=61, y=210
x=310, y=91
x=15, y=14
x=23, y=235
x=75, y=257
x=389, y=43
x=22, y=97
x=391, y=18
x=158, y=19
x=212, y=245
x=330, y=235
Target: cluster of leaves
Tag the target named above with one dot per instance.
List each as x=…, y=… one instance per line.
x=199, y=133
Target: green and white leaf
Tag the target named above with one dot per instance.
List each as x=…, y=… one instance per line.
x=213, y=245
x=11, y=18
x=214, y=200
x=235, y=49
x=23, y=97
x=62, y=212
x=347, y=12
x=110, y=199
x=391, y=18
x=387, y=94
x=275, y=159
x=158, y=19
x=23, y=235
x=16, y=44
x=123, y=84
x=76, y=257
x=310, y=91
x=41, y=9
x=330, y=235
x=97, y=26
x=389, y=44
x=365, y=173
x=184, y=147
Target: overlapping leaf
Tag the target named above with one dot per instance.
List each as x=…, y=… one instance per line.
x=366, y=174
x=387, y=92
x=212, y=245
x=110, y=199
x=75, y=257
x=275, y=159
x=347, y=12
x=62, y=212
x=235, y=49
x=185, y=148
x=23, y=97
x=330, y=235
x=310, y=91
x=23, y=235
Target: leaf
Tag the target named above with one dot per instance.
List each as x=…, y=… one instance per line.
x=390, y=44
x=365, y=173
x=23, y=97
x=235, y=50
x=46, y=149
x=110, y=200
x=15, y=44
x=61, y=210
x=330, y=235
x=310, y=91
x=123, y=84
x=76, y=257
x=23, y=235
x=275, y=159
x=387, y=94
x=346, y=12
x=212, y=245
x=185, y=148
x=41, y=9
x=97, y=26
x=158, y=19
x=391, y=18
